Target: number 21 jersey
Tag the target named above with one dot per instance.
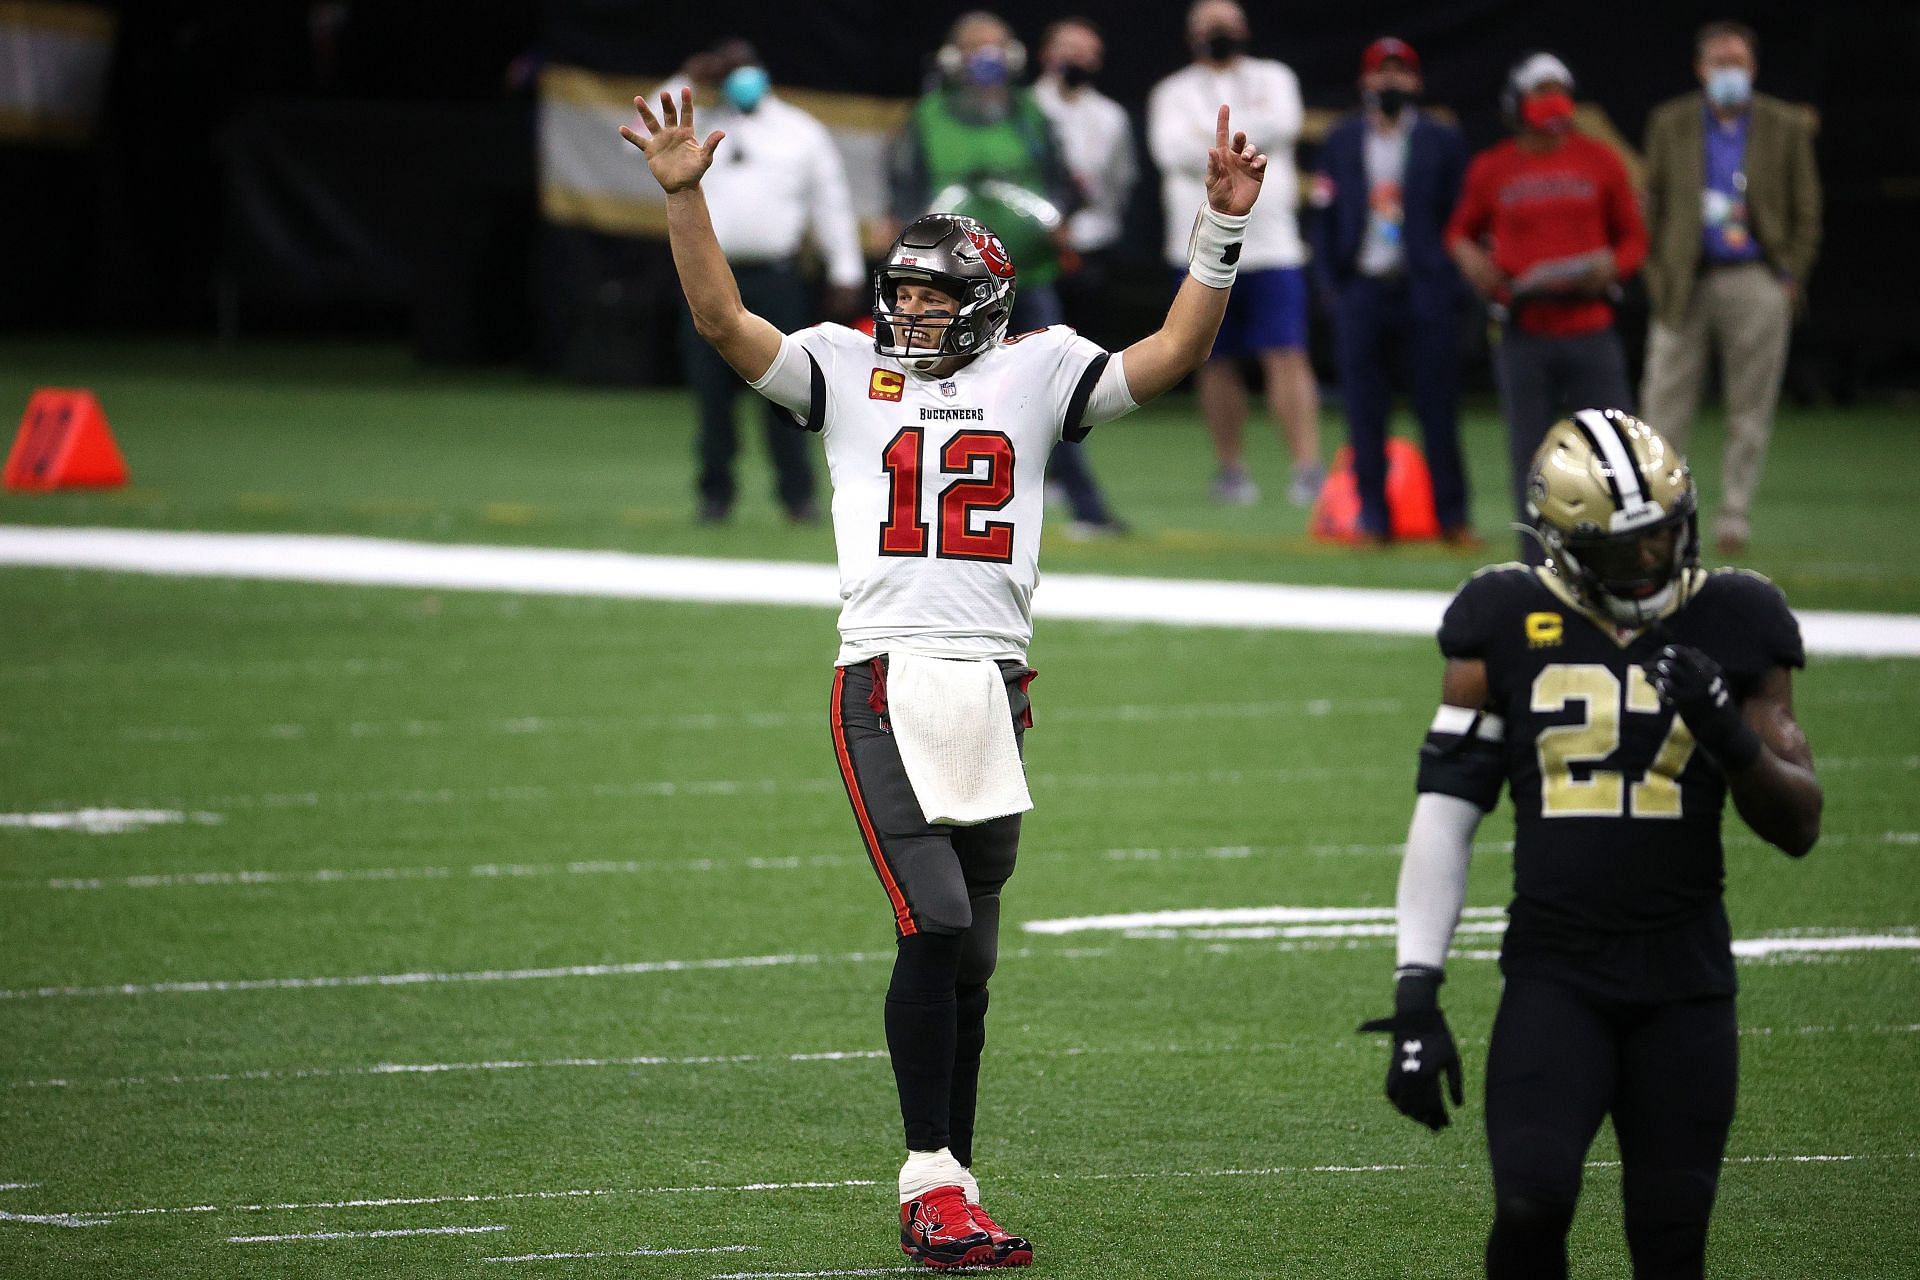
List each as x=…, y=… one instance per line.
x=939, y=483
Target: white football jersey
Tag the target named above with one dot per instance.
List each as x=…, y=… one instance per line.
x=939, y=483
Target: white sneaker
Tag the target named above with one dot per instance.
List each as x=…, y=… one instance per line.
x=1233, y=487
x=1307, y=481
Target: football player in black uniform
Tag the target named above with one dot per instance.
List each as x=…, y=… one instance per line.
x=1621, y=694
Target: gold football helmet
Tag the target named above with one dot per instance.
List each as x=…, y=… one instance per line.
x=1613, y=505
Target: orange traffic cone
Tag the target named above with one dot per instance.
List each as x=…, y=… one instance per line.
x=64, y=443
x=1336, y=512
x=1410, y=511
x=1410, y=493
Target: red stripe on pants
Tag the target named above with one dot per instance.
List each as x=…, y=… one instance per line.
x=902, y=917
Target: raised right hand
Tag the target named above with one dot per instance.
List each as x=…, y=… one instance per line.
x=674, y=153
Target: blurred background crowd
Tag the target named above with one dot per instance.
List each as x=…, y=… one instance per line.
x=1565, y=205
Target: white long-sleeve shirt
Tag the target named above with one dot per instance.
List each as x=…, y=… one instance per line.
x=1096, y=143
x=776, y=180
x=1265, y=99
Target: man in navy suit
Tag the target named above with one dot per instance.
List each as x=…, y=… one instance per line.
x=1390, y=175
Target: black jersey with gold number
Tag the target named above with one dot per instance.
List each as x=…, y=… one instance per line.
x=1618, y=866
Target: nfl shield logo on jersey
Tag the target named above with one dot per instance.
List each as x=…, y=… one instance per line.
x=949, y=390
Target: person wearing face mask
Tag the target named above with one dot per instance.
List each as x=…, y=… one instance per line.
x=1546, y=230
x=782, y=183
x=1268, y=318
x=1389, y=176
x=978, y=143
x=1733, y=209
x=1097, y=144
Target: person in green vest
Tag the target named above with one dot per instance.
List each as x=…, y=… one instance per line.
x=977, y=143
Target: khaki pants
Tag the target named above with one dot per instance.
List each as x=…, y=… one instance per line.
x=1745, y=312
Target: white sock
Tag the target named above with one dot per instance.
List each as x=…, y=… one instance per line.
x=925, y=1170
x=970, y=1184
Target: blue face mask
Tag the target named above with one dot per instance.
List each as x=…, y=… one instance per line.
x=745, y=86
x=1729, y=87
x=987, y=67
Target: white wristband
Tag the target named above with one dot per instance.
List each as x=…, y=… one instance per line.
x=1213, y=250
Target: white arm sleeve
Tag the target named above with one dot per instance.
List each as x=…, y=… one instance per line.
x=790, y=382
x=1433, y=878
x=1111, y=398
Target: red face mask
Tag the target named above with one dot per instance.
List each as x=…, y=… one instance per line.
x=1549, y=112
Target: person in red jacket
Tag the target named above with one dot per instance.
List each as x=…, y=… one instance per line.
x=1546, y=230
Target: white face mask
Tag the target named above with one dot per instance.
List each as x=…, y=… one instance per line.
x=1729, y=87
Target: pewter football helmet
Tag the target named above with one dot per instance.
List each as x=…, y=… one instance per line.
x=956, y=255
x=1602, y=485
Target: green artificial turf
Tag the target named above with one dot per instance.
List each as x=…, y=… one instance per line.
x=642, y=798
x=444, y=783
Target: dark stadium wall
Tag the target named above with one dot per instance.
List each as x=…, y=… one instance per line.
x=136, y=230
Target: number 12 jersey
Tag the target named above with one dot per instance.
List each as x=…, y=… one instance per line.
x=939, y=483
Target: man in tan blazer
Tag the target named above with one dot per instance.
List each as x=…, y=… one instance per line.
x=1733, y=211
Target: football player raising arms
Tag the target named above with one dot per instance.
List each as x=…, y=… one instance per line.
x=937, y=431
x=1621, y=694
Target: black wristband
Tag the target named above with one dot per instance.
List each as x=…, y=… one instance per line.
x=1417, y=990
x=1736, y=747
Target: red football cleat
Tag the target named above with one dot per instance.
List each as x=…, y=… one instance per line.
x=936, y=1230
x=1008, y=1250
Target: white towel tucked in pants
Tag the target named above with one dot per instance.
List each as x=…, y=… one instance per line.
x=954, y=727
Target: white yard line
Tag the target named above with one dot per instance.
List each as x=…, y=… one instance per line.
x=1760, y=948
x=525, y=725
x=1210, y=916
x=735, y=788
x=254, y=877
x=102, y=1216
x=629, y=1253
x=103, y=822
x=840, y=1271
x=1192, y=924
x=478, y=871
x=391, y=1070
x=447, y=1068
x=425, y=978
x=388, y=1234
x=54, y=1219
x=542, y=571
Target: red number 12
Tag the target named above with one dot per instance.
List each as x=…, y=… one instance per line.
x=905, y=531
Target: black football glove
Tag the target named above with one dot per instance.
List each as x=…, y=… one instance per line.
x=1694, y=686
x=1421, y=1051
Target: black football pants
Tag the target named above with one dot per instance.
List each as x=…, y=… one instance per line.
x=1560, y=1063
x=943, y=884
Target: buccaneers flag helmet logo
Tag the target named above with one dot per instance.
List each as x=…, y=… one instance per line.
x=992, y=253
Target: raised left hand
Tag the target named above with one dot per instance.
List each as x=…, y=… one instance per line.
x=1235, y=170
